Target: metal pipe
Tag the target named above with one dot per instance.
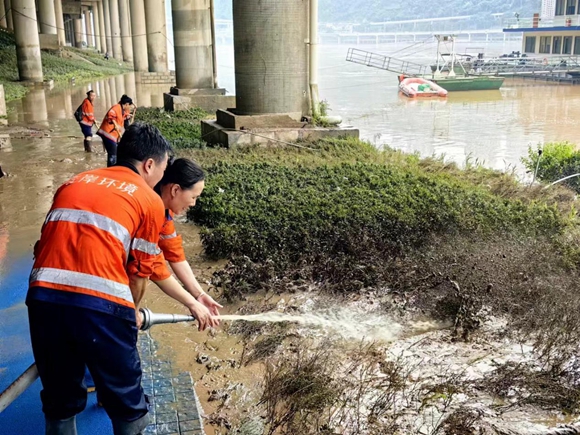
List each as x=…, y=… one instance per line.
x=213, y=46
x=562, y=179
x=314, y=96
x=18, y=387
x=150, y=319
x=27, y=378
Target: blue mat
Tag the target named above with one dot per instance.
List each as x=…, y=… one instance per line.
x=24, y=416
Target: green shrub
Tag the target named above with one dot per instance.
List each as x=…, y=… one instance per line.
x=557, y=160
x=336, y=222
x=182, y=128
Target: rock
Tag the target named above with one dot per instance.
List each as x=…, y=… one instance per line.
x=253, y=426
x=202, y=358
x=66, y=161
x=214, y=364
x=2, y=173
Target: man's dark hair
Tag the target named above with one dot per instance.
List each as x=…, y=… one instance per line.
x=90, y=92
x=141, y=142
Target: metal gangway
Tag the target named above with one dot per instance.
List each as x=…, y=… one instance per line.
x=503, y=66
x=387, y=63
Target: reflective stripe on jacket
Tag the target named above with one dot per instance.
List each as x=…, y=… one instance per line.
x=103, y=226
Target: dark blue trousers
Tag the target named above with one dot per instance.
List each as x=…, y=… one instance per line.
x=65, y=340
x=111, y=148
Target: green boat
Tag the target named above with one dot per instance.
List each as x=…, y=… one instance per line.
x=468, y=83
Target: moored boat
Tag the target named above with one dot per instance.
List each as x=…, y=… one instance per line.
x=419, y=87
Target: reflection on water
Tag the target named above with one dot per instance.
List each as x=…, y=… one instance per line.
x=46, y=148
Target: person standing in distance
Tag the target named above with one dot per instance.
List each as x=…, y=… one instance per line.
x=85, y=116
x=97, y=250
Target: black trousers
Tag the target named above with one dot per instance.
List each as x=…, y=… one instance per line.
x=65, y=340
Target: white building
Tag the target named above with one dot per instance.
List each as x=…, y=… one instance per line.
x=553, y=32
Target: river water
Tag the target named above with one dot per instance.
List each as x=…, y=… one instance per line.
x=42, y=145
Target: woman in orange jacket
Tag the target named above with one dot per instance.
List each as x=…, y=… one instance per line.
x=181, y=186
x=113, y=127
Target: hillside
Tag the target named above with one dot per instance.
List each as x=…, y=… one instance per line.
x=359, y=11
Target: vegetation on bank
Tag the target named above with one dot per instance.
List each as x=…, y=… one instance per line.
x=181, y=129
x=553, y=162
x=61, y=67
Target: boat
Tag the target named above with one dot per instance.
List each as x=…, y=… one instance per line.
x=469, y=83
x=419, y=87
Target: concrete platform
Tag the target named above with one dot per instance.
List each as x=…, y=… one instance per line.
x=209, y=100
x=214, y=133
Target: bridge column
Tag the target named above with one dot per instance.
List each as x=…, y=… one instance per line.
x=102, y=33
x=78, y=26
x=126, y=31
x=88, y=28
x=96, y=26
x=194, y=58
x=139, y=38
x=3, y=22
x=156, y=35
x=59, y=22
x=9, y=19
x=47, y=17
x=107, y=20
x=27, y=41
x=116, y=29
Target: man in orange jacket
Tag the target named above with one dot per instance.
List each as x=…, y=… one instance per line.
x=113, y=127
x=88, y=119
x=97, y=250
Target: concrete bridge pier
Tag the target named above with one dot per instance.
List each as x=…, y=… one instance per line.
x=46, y=16
x=96, y=26
x=88, y=28
x=107, y=19
x=27, y=41
x=102, y=35
x=139, y=38
x=78, y=25
x=195, y=69
x=116, y=29
x=126, y=42
x=9, y=17
x=59, y=22
x=3, y=22
x=156, y=35
x=271, y=46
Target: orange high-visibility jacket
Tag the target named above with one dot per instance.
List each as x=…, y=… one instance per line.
x=107, y=129
x=88, y=113
x=103, y=226
x=171, y=244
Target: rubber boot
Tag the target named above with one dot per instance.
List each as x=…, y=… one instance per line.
x=88, y=146
x=61, y=427
x=130, y=427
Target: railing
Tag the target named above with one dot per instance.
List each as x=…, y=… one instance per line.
x=528, y=23
x=379, y=61
x=525, y=65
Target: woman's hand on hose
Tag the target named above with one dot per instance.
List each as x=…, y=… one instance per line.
x=209, y=303
x=202, y=314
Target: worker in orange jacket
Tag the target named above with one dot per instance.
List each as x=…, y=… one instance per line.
x=113, y=127
x=88, y=119
x=97, y=250
x=180, y=187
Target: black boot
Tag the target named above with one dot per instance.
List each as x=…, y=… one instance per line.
x=61, y=427
x=88, y=147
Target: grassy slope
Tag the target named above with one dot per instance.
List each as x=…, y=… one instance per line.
x=90, y=65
